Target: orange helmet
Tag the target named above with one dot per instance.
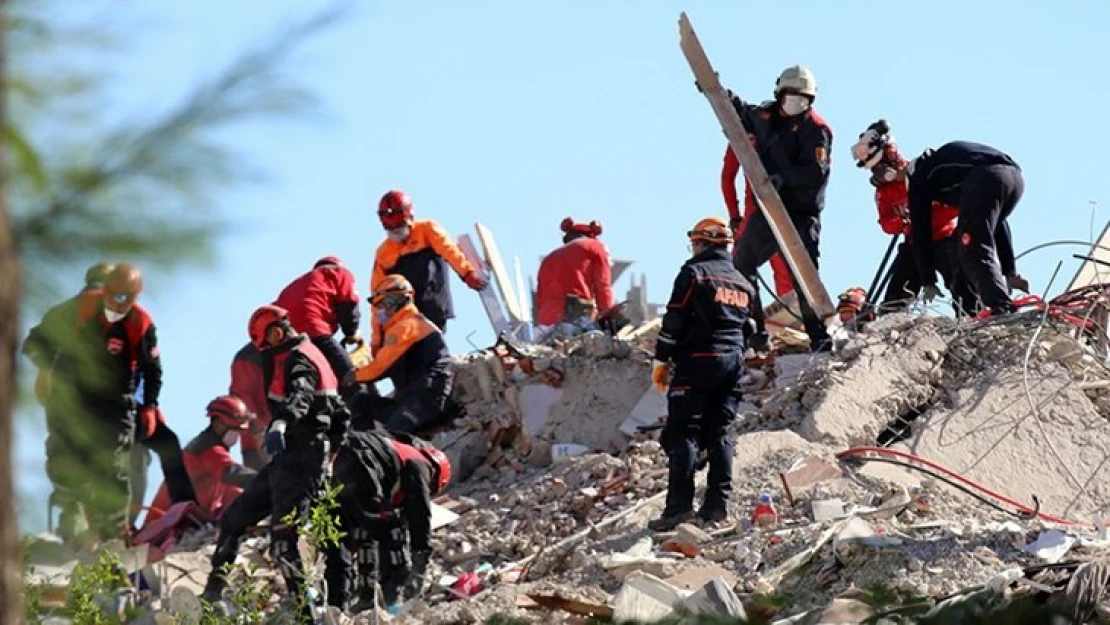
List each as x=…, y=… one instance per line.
x=852, y=300
x=97, y=274
x=711, y=230
x=391, y=285
x=261, y=321
x=230, y=411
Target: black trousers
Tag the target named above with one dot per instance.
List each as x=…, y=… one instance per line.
x=905, y=284
x=289, y=484
x=988, y=198
x=755, y=247
x=410, y=410
x=701, y=403
x=340, y=362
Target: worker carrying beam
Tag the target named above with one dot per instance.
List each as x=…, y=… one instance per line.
x=420, y=250
x=574, y=280
x=793, y=143
x=985, y=185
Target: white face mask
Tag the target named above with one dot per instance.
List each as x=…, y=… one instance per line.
x=382, y=316
x=231, y=437
x=794, y=104
x=113, y=316
x=400, y=234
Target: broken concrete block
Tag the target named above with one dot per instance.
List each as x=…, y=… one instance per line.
x=807, y=472
x=827, y=510
x=698, y=576
x=536, y=401
x=644, y=597
x=716, y=598
x=692, y=534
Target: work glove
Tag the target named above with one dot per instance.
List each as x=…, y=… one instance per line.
x=734, y=223
x=415, y=583
x=43, y=381
x=354, y=339
x=147, y=422
x=776, y=181
x=474, y=281
x=930, y=293
x=660, y=375
x=1017, y=282
x=275, y=438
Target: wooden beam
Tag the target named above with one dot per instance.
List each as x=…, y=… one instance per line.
x=808, y=282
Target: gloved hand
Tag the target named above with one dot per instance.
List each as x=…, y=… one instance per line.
x=146, y=422
x=43, y=382
x=776, y=181
x=660, y=375
x=1017, y=282
x=415, y=583
x=474, y=281
x=734, y=223
x=354, y=339
x=275, y=438
x=930, y=293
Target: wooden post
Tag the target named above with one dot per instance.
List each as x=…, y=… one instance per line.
x=805, y=273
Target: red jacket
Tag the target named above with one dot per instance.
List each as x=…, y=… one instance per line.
x=579, y=268
x=321, y=301
x=892, y=199
x=248, y=383
x=217, y=479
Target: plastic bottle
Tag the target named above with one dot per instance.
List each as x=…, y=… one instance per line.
x=765, y=513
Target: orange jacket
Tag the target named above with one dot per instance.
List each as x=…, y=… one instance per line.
x=413, y=352
x=579, y=268
x=422, y=259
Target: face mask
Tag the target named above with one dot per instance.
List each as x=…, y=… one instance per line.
x=885, y=174
x=113, y=316
x=400, y=234
x=231, y=437
x=794, y=104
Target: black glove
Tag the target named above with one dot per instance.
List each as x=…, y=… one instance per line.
x=734, y=223
x=415, y=584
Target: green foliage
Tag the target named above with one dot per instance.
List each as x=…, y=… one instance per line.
x=32, y=602
x=93, y=590
x=321, y=525
x=247, y=600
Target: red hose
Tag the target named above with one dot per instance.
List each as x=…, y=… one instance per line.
x=883, y=451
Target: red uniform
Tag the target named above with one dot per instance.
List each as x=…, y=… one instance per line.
x=579, y=268
x=217, y=479
x=249, y=385
x=892, y=199
x=322, y=301
x=783, y=282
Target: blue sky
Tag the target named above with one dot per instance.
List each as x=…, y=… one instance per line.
x=519, y=114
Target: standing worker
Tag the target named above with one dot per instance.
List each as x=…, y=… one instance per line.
x=985, y=185
x=702, y=340
x=794, y=144
x=419, y=250
x=308, y=418
x=574, y=280
x=877, y=152
x=248, y=383
x=320, y=302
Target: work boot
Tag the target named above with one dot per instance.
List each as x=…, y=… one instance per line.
x=702, y=461
x=713, y=514
x=668, y=521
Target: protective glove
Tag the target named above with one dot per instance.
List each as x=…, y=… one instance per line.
x=354, y=339
x=776, y=181
x=147, y=422
x=474, y=281
x=415, y=583
x=734, y=223
x=660, y=375
x=1017, y=282
x=43, y=381
x=930, y=292
x=275, y=438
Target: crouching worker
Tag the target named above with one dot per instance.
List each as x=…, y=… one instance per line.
x=413, y=356
x=703, y=340
x=388, y=481
x=216, y=477
x=308, y=416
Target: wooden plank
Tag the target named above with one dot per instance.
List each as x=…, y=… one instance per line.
x=489, y=298
x=801, y=265
x=500, y=274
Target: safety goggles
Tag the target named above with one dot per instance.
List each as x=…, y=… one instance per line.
x=121, y=298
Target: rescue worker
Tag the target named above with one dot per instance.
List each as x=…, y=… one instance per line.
x=388, y=481
x=308, y=419
x=216, y=477
x=248, y=383
x=985, y=185
x=793, y=143
x=784, y=284
x=116, y=343
x=320, y=302
x=574, y=280
x=47, y=346
x=877, y=151
x=702, y=340
x=414, y=357
x=420, y=250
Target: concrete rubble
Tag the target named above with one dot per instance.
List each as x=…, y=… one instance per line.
x=554, y=496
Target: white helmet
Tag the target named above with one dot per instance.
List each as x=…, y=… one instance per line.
x=868, y=151
x=798, y=78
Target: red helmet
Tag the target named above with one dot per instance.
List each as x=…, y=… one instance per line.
x=230, y=411
x=395, y=209
x=328, y=260
x=261, y=321
x=441, y=468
